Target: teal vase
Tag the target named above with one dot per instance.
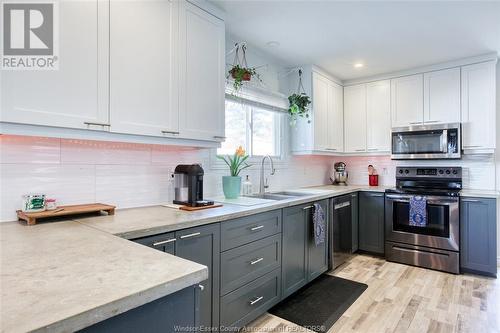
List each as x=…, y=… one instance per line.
x=231, y=185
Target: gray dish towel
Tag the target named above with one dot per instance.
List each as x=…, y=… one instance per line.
x=319, y=222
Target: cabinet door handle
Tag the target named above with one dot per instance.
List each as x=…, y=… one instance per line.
x=359, y=149
x=470, y=200
x=472, y=146
x=170, y=132
x=376, y=195
x=201, y=287
x=96, y=124
x=415, y=123
x=191, y=235
x=256, y=228
x=372, y=149
x=165, y=241
x=253, y=262
x=354, y=195
x=219, y=137
x=257, y=300
x=308, y=207
x=332, y=149
x=432, y=121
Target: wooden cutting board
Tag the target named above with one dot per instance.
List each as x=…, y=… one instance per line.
x=31, y=218
x=192, y=209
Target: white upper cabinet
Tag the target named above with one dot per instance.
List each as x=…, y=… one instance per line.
x=378, y=115
x=202, y=74
x=320, y=103
x=75, y=95
x=335, y=118
x=355, y=118
x=407, y=100
x=442, y=96
x=478, y=106
x=143, y=67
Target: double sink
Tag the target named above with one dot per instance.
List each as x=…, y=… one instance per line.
x=283, y=195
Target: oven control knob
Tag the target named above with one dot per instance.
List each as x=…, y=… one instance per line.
x=441, y=172
x=407, y=171
x=447, y=172
x=401, y=171
x=455, y=172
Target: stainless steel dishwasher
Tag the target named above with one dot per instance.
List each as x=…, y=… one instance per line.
x=341, y=231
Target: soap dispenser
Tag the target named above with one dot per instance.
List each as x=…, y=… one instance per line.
x=247, y=186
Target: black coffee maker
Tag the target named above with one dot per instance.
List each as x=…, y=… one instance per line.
x=188, y=179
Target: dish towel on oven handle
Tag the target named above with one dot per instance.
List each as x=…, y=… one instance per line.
x=319, y=223
x=418, y=211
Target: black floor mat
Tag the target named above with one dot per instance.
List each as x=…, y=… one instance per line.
x=320, y=304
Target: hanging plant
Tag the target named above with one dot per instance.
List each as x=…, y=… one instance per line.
x=240, y=72
x=299, y=104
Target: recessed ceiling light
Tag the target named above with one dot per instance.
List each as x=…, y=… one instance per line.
x=358, y=65
x=273, y=43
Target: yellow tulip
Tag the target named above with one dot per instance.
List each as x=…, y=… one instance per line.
x=240, y=151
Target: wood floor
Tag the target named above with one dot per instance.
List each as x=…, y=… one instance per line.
x=403, y=298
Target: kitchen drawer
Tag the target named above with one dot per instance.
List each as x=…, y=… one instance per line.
x=243, y=305
x=247, y=229
x=163, y=242
x=248, y=262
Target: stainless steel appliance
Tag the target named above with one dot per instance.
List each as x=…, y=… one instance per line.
x=340, y=174
x=341, y=231
x=188, y=185
x=434, y=244
x=439, y=141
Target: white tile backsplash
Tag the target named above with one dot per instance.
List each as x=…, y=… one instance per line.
x=132, y=175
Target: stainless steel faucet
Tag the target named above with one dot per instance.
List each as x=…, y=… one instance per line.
x=263, y=186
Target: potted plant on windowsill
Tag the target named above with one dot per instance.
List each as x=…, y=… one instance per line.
x=231, y=185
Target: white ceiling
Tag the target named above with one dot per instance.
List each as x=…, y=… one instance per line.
x=386, y=36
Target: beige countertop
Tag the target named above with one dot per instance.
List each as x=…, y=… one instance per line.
x=64, y=276
x=139, y=222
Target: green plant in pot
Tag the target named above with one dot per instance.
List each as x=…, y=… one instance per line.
x=298, y=107
x=231, y=185
x=241, y=74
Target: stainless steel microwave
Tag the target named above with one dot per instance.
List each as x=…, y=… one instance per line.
x=422, y=142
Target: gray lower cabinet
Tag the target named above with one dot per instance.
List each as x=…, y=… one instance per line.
x=355, y=221
x=302, y=261
x=371, y=222
x=478, y=244
x=246, y=303
x=167, y=314
x=201, y=245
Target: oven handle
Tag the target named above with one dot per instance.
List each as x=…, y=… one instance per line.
x=430, y=199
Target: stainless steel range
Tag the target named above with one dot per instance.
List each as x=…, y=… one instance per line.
x=422, y=217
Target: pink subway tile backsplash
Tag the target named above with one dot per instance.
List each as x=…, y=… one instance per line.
x=29, y=149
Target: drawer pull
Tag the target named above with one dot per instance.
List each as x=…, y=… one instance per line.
x=165, y=242
x=308, y=207
x=219, y=137
x=376, y=195
x=257, y=228
x=170, y=132
x=470, y=200
x=257, y=300
x=88, y=123
x=256, y=261
x=191, y=235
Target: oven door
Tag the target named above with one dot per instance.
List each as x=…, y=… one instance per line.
x=441, y=230
x=426, y=142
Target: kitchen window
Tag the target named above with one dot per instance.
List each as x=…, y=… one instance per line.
x=256, y=126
